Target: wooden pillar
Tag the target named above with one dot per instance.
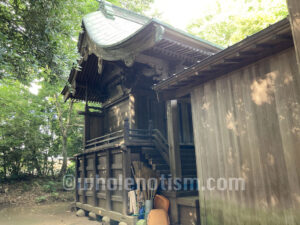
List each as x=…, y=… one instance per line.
x=187, y=135
x=95, y=198
x=83, y=179
x=108, y=175
x=174, y=138
x=126, y=163
x=294, y=10
x=76, y=179
x=126, y=130
x=87, y=135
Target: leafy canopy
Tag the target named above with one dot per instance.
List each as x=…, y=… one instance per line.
x=39, y=35
x=230, y=21
x=38, y=43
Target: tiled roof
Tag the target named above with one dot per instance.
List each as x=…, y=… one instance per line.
x=109, y=28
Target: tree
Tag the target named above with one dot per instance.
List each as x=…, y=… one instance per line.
x=139, y=6
x=31, y=131
x=21, y=130
x=37, y=35
x=228, y=22
x=38, y=41
x=67, y=125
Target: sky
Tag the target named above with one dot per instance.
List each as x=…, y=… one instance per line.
x=179, y=13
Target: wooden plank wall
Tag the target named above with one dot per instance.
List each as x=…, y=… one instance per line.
x=148, y=108
x=114, y=116
x=94, y=126
x=247, y=125
x=185, y=123
x=111, y=163
x=294, y=10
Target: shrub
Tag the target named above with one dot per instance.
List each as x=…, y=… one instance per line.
x=40, y=199
x=49, y=187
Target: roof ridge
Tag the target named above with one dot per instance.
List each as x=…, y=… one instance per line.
x=107, y=8
x=112, y=10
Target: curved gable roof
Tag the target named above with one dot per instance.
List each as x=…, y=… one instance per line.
x=113, y=33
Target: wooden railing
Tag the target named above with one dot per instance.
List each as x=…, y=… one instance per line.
x=106, y=139
x=130, y=137
x=136, y=137
x=161, y=144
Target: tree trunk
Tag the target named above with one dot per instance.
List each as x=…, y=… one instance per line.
x=36, y=163
x=64, y=166
x=64, y=126
x=52, y=167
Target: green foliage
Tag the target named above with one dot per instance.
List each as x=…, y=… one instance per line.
x=40, y=199
x=139, y=6
x=49, y=187
x=26, y=187
x=36, y=35
x=55, y=196
x=29, y=129
x=228, y=22
x=38, y=43
x=71, y=168
x=42, y=35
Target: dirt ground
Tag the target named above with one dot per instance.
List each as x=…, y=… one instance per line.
x=38, y=201
x=47, y=214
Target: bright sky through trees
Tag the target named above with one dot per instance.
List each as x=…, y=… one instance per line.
x=181, y=13
x=223, y=22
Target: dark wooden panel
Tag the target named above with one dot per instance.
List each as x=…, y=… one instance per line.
x=93, y=126
x=185, y=123
x=115, y=115
x=148, y=108
x=247, y=125
x=105, y=164
x=173, y=138
x=77, y=175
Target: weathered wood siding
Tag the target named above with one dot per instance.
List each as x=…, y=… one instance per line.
x=93, y=126
x=185, y=123
x=247, y=125
x=110, y=163
x=148, y=108
x=294, y=10
x=115, y=115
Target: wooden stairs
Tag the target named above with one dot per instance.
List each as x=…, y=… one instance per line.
x=157, y=156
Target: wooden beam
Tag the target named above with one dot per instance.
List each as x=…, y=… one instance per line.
x=76, y=179
x=86, y=128
x=233, y=60
x=294, y=10
x=83, y=178
x=173, y=138
x=247, y=53
x=186, y=125
x=95, y=198
x=108, y=176
x=83, y=113
x=126, y=164
x=264, y=46
x=161, y=66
